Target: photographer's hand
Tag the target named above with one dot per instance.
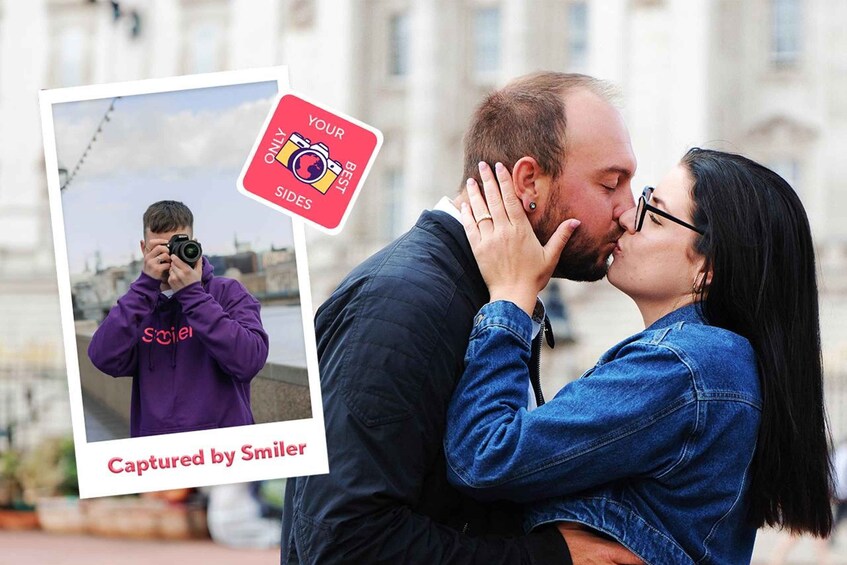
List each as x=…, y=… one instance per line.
x=156, y=259
x=182, y=275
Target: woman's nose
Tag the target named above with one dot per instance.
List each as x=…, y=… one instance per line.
x=627, y=220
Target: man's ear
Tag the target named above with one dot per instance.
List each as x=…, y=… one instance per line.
x=143, y=248
x=531, y=185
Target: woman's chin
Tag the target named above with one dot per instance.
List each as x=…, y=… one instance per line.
x=612, y=276
x=619, y=280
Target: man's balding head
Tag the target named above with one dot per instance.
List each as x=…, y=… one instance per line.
x=527, y=118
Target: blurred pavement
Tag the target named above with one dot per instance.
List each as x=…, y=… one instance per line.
x=40, y=548
x=801, y=554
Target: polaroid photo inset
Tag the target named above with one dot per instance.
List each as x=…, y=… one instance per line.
x=178, y=390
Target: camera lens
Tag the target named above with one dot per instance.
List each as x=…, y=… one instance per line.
x=191, y=251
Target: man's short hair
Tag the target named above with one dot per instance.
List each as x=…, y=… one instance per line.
x=167, y=215
x=526, y=118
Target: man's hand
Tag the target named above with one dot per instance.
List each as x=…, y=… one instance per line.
x=590, y=549
x=156, y=259
x=182, y=275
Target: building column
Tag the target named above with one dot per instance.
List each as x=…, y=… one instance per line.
x=166, y=52
x=423, y=132
x=667, y=93
x=608, y=35
x=23, y=190
x=516, y=50
x=253, y=33
x=689, y=58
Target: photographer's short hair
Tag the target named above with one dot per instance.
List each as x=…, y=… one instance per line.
x=527, y=118
x=167, y=215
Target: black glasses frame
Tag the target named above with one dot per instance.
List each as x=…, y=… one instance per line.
x=643, y=206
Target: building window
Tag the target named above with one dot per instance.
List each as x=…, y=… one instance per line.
x=486, y=33
x=578, y=35
x=71, y=53
x=785, y=32
x=398, y=64
x=393, y=225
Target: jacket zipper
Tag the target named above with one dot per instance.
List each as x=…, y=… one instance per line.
x=535, y=376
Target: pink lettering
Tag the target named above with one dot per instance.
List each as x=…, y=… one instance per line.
x=167, y=337
x=112, y=468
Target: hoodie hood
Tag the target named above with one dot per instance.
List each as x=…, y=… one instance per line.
x=208, y=271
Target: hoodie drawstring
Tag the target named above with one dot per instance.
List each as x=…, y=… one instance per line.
x=150, y=349
x=173, y=354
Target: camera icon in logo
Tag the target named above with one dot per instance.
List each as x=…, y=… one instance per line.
x=309, y=163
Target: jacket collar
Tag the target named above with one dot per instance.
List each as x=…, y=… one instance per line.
x=692, y=313
x=452, y=233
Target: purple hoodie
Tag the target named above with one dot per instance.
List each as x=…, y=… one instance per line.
x=192, y=356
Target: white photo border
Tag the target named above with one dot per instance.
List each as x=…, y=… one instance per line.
x=95, y=478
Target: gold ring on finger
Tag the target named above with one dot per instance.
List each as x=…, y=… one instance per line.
x=483, y=218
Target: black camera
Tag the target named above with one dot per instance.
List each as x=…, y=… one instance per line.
x=185, y=248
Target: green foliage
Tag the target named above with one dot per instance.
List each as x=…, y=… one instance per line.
x=11, y=490
x=273, y=492
x=49, y=469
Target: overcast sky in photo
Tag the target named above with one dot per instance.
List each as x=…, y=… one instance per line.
x=185, y=145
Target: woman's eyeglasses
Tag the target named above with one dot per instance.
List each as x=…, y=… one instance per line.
x=643, y=206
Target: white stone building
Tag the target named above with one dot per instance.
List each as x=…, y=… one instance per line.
x=762, y=77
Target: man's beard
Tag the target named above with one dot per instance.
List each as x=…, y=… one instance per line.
x=581, y=263
x=582, y=259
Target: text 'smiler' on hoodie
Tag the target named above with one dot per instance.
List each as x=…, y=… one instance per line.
x=191, y=357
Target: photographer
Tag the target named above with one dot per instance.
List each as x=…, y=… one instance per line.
x=191, y=341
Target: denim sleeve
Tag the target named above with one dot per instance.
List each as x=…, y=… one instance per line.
x=631, y=416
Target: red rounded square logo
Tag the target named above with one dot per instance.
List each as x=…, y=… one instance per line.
x=310, y=161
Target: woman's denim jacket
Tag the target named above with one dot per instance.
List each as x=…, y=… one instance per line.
x=652, y=446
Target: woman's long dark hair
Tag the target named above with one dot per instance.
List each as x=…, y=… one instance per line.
x=759, y=245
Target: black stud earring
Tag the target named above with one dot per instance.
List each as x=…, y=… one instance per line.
x=532, y=205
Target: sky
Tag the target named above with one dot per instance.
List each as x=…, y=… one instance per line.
x=186, y=145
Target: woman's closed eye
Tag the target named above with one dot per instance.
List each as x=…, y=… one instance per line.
x=654, y=219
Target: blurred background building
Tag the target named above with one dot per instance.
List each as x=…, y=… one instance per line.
x=767, y=78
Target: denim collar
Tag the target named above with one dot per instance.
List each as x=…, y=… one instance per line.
x=691, y=313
